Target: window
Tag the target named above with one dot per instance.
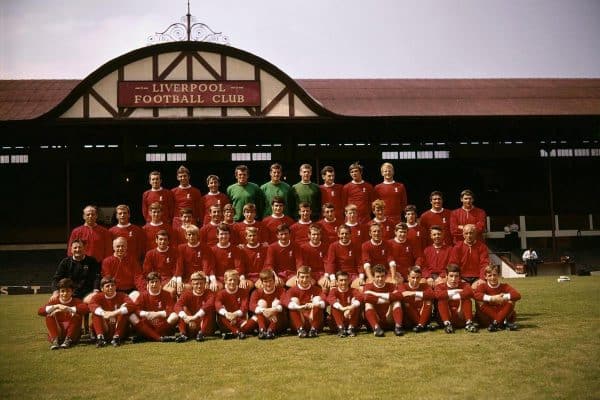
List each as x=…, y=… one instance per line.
x=565, y=152
x=406, y=155
x=154, y=157
x=19, y=158
x=424, y=155
x=581, y=152
x=389, y=155
x=240, y=157
x=176, y=156
x=261, y=156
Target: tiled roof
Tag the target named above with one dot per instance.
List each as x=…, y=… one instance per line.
x=29, y=99
x=456, y=97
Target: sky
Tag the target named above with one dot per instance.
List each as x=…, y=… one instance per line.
x=70, y=39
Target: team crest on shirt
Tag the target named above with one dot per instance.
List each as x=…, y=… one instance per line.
x=332, y=193
x=290, y=253
x=320, y=254
x=349, y=253
x=160, y=198
x=187, y=196
x=85, y=267
x=229, y=255
x=219, y=202
x=159, y=304
x=130, y=233
x=168, y=260
x=364, y=190
x=444, y=220
x=257, y=255
x=199, y=254
x=396, y=189
x=407, y=249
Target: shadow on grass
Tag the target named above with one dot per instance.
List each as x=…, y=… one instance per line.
x=521, y=315
x=527, y=326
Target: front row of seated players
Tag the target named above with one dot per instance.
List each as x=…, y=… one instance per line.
x=155, y=316
x=388, y=306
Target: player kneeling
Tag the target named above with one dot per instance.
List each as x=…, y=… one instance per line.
x=110, y=311
x=345, y=305
x=196, y=310
x=383, y=309
x=156, y=320
x=266, y=303
x=454, y=301
x=305, y=305
x=417, y=300
x=231, y=304
x=63, y=316
x=496, y=302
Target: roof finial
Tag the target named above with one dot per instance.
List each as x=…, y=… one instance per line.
x=190, y=30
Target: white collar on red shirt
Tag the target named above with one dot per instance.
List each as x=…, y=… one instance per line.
x=224, y=247
x=124, y=226
x=153, y=224
x=156, y=190
x=253, y=247
x=389, y=182
x=185, y=187
x=358, y=183
x=213, y=194
x=437, y=212
x=271, y=292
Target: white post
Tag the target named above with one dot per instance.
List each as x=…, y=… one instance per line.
x=523, y=232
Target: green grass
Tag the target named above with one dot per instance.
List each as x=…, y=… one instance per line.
x=554, y=356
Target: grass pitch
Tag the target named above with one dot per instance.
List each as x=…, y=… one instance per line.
x=555, y=355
